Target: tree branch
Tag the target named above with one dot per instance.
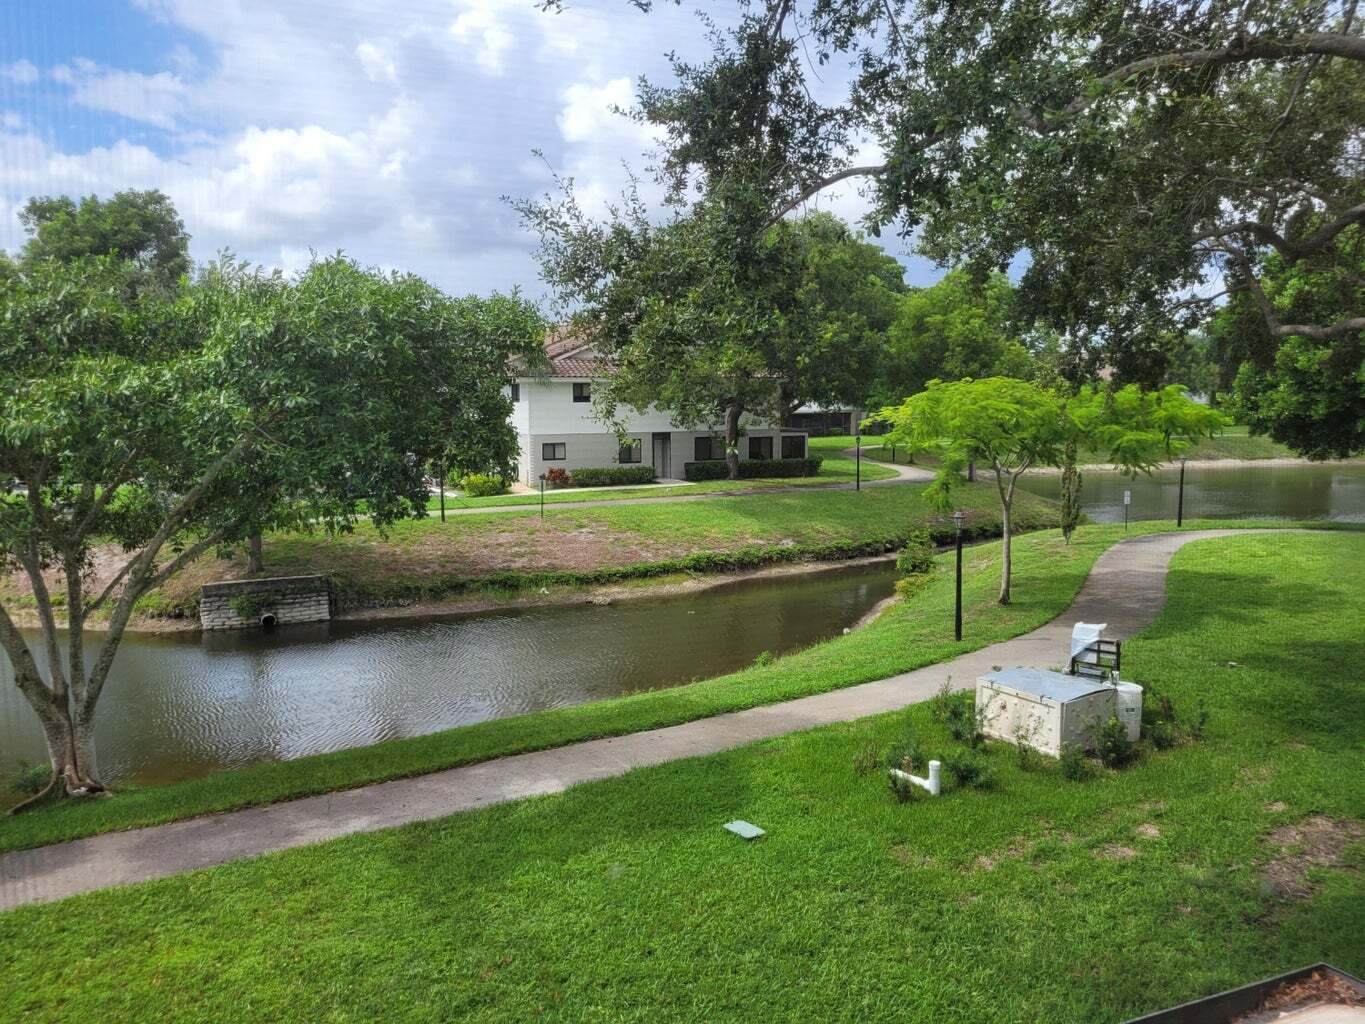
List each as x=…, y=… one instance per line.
x=823, y=183
x=1326, y=44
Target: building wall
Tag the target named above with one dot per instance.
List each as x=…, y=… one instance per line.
x=550, y=408
x=601, y=449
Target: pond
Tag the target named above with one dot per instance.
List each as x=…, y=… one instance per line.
x=183, y=705
x=1334, y=491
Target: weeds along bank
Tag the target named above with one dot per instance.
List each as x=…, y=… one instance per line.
x=427, y=561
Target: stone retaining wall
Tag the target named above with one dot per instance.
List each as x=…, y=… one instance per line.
x=285, y=599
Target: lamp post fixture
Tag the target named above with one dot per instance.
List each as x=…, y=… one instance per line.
x=1180, y=501
x=858, y=462
x=958, y=518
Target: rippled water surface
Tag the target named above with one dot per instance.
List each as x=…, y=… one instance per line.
x=189, y=704
x=1328, y=491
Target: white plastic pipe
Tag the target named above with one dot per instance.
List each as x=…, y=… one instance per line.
x=929, y=785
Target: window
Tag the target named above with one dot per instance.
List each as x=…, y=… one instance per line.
x=709, y=448
x=631, y=451
x=794, y=446
x=516, y=392
x=582, y=392
x=760, y=447
x=554, y=451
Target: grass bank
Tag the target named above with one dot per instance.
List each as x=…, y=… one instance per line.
x=835, y=469
x=1200, y=868
x=420, y=561
x=1047, y=575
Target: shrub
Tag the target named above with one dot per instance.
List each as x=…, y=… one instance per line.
x=482, y=485
x=917, y=557
x=752, y=469
x=1163, y=734
x=250, y=606
x=904, y=790
x=557, y=477
x=867, y=759
x=941, y=704
x=1113, y=745
x=964, y=721
x=1200, y=723
x=31, y=777
x=613, y=476
x=968, y=770
x=763, y=659
x=1074, y=764
x=1025, y=735
x=908, y=586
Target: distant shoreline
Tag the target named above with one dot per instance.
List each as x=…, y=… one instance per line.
x=1104, y=467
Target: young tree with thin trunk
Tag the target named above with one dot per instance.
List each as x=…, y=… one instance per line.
x=143, y=432
x=1013, y=425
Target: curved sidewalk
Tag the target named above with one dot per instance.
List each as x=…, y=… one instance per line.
x=1125, y=588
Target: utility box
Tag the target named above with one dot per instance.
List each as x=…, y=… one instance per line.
x=1044, y=710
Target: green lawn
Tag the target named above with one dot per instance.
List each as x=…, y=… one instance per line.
x=423, y=560
x=835, y=469
x=1047, y=574
x=625, y=901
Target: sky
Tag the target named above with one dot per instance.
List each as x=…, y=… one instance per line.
x=388, y=130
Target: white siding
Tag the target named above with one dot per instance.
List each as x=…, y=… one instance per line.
x=597, y=450
x=551, y=409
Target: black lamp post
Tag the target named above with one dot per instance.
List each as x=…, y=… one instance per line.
x=1180, y=501
x=958, y=518
x=858, y=463
x=542, y=495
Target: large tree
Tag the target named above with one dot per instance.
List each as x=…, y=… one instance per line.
x=141, y=228
x=160, y=429
x=958, y=327
x=699, y=316
x=1145, y=157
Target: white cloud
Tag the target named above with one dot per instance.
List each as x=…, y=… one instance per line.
x=156, y=99
x=481, y=26
x=21, y=72
x=11, y=121
x=378, y=66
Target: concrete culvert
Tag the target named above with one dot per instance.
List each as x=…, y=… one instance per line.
x=267, y=620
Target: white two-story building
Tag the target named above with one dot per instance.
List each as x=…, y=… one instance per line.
x=552, y=412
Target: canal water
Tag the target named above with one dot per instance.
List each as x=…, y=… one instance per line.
x=184, y=705
x=1333, y=491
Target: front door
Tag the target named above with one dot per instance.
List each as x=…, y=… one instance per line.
x=661, y=454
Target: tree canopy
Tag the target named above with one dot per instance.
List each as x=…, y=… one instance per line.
x=140, y=228
x=1145, y=158
x=166, y=426
x=956, y=328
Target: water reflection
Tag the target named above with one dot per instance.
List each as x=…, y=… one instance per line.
x=186, y=704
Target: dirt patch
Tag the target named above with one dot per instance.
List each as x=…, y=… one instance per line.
x=1314, y=842
x=1113, y=851
x=1148, y=831
x=910, y=858
x=1275, y=806
x=989, y=861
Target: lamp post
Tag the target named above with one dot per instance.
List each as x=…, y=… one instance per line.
x=858, y=463
x=958, y=518
x=441, y=483
x=1180, y=501
x=542, y=495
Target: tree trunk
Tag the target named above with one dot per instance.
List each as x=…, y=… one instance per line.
x=1005, y=552
x=732, y=411
x=971, y=471
x=1071, y=491
x=71, y=752
x=254, y=562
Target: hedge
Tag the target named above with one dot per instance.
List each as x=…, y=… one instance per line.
x=613, y=476
x=750, y=469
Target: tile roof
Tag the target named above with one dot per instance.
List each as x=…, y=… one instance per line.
x=571, y=355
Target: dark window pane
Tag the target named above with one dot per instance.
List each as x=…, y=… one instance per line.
x=760, y=447
x=516, y=392
x=631, y=452
x=582, y=392
x=794, y=447
x=553, y=451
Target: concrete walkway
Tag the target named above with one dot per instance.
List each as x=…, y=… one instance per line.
x=1125, y=589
